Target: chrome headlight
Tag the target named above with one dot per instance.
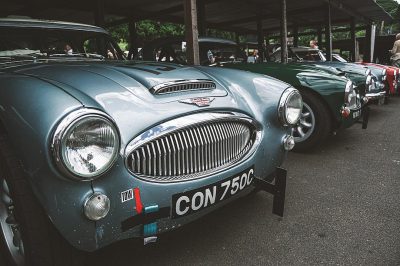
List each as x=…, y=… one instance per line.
x=350, y=95
x=383, y=74
x=85, y=144
x=290, y=106
x=368, y=80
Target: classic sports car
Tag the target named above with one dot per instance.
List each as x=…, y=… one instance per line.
x=392, y=73
x=95, y=150
x=375, y=89
x=331, y=100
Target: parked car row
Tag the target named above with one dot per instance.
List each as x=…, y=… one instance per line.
x=95, y=149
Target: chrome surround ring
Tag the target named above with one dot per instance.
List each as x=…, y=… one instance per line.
x=187, y=121
x=64, y=126
x=282, y=105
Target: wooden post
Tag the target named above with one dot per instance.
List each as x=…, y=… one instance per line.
x=319, y=37
x=295, y=36
x=328, y=32
x=353, y=39
x=266, y=37
x=260, y=40
x=237, y=37
x=201, y=17
x=99, y=13
x=370, y=43
x=192, y=36
x=133, y=40
x=284, y=47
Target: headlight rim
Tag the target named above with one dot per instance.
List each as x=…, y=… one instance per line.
x=283, y=103
x=60, y=132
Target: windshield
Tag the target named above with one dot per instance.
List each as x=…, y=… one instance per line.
x=56, y=43
x=210, y=53
x=295, y=55
x=310, y=55
x=337, y=57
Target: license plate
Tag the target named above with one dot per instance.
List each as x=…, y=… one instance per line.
x=356, y=114
x=198, y=199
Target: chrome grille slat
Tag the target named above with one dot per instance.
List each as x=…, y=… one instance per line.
x=193, y=151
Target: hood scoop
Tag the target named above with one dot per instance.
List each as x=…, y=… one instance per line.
x=183, y=86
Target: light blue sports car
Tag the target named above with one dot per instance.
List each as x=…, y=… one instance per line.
x=95, y=149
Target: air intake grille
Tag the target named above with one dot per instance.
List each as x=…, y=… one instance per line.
x=193, y=151
x=183, y=85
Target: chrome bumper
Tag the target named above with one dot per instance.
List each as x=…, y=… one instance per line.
x=376, y=96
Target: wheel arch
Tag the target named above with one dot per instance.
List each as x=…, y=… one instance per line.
x=335, y=121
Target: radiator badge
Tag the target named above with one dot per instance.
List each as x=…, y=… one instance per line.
x=200, y=101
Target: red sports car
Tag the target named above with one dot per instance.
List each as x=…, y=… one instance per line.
x=393, y=76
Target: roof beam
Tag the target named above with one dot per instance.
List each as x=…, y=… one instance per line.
x=339, y=5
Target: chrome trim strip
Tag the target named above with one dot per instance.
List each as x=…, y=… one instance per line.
x=203, y=156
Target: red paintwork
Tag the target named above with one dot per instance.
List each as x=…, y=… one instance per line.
x=392, y=82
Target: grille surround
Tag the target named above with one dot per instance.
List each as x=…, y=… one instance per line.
x=180, y=129
x=183, y=86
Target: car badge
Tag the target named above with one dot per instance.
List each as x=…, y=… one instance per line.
x=200, y=101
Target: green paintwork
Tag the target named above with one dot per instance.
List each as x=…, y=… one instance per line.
x=330, y=85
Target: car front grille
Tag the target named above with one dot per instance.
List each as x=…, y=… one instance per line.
x=183, y=85
x=192, y=151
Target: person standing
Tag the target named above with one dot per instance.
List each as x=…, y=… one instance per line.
x=395, y=58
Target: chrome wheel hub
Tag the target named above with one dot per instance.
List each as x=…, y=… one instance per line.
x=306, y=124
x=9, y=227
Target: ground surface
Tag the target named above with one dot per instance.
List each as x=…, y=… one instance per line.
x=342, y=207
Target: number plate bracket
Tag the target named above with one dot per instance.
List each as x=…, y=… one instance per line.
x=278, y=190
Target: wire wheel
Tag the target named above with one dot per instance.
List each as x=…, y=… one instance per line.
x=306, y=124
x=10, y=229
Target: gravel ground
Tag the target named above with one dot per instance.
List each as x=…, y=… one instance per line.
x=342, y=208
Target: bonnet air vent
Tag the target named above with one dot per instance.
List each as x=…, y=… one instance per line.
x=183, y=85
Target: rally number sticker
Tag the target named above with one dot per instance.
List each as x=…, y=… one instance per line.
x=192, y=201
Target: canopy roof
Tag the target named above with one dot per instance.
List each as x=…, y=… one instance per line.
x=232, y=15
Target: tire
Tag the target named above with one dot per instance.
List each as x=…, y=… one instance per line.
x=42, y=244
x=315, y=124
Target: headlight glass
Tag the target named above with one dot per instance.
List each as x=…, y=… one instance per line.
x=350, y=95
x=290, y=107
x=85, y=145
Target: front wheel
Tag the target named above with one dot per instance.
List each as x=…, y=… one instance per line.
x=315, y=123
x=27, y=237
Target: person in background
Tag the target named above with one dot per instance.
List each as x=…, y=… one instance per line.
x=395, y=58
x=68, y=49
x=314, y=44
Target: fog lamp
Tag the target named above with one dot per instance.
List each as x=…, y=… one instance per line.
x=288, y=143
x=96, y=206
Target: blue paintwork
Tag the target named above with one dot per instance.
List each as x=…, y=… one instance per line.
x=35, y=97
